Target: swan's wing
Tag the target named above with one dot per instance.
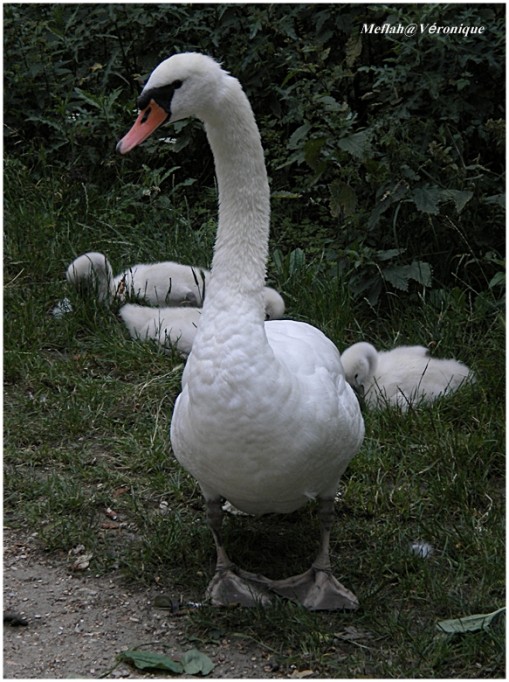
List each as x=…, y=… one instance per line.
x=302, y=348
x=323, y=394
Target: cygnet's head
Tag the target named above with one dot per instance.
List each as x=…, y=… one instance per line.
x=91, y=272
x=359, y=362
x=274, y=304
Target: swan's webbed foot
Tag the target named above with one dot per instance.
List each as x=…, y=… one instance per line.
x=316, y=590
x=232, y=585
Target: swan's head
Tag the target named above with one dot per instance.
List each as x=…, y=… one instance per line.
x=359, y=362
x=274, y=304
x=184, y=85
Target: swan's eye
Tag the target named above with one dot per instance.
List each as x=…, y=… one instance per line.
x=146, y=114
x=162, y=96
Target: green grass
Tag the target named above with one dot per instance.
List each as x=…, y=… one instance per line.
x=86, y=419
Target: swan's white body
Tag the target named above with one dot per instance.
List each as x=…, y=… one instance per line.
x=402, y=377
x=166, y=283
x=255, y=433
x=266, y=418
x=173, y=327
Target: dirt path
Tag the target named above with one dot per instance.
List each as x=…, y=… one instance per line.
x=79, y=623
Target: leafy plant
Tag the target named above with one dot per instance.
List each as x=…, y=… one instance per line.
x=380, y=144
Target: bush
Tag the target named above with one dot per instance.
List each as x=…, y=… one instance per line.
x=394, y=145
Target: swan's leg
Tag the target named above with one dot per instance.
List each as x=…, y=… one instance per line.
x=230, y=584
x=317, y=589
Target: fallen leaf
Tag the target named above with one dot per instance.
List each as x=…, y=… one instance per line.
x=195, y=662
x=301, y=674
x=473, y=623
x=146, y=660
x=82, y=562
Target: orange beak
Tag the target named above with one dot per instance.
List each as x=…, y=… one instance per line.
x=148, y=120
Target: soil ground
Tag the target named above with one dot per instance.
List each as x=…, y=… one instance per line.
x=78, y=623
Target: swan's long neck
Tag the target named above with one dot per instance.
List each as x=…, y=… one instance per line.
x=240, y=254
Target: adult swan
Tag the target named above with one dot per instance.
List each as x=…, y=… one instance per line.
x=265, y=418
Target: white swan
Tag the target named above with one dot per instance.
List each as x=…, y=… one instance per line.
x=160, y=284
x=173, y=327
x=404, y=376
x=265, y=418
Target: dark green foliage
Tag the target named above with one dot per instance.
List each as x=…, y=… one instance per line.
x=386, y=152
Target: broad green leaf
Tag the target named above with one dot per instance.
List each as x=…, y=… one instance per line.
x=400, y=275
x=375, y=214
x=312, y=151
x=462, y=83
x=358, y=144
x=329, y=103
x=459, y=197
x=297, y=260
x=342, y=198
x=397, y=275
x=498, y=199
x=299, y=135
x=421, y=272
x=146, y=660
x=353, y=49
x=474, y=623
x=427, y=199
x=89, y=98
x=497, y=280
x=287, y=26
x=194, y=663
x=387, y=254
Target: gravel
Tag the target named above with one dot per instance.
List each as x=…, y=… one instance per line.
x=76, y=623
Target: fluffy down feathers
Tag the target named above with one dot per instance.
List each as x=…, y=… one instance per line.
x=404, y=376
